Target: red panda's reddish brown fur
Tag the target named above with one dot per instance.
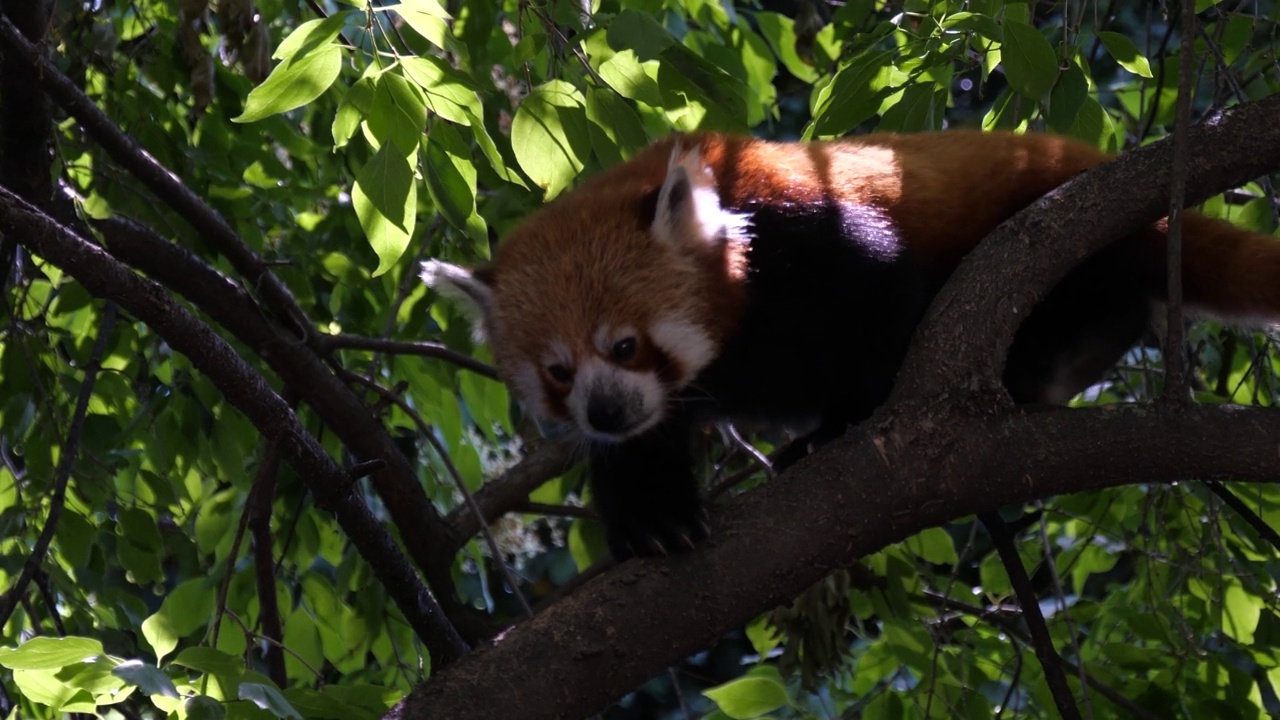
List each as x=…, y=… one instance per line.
x=722, y=277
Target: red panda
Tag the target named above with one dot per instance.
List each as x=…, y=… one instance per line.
x=717, y=277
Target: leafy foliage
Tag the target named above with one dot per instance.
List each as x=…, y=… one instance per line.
x=166, y=589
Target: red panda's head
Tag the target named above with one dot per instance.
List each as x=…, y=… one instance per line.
x=605, y=304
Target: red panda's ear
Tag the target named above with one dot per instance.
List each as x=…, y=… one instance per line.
x=689, y=213
x=472, y=288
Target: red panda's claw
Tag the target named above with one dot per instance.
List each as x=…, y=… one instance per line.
x=686, y=540
x=657, y=545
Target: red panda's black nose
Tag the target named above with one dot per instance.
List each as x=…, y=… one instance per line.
x=606, y=414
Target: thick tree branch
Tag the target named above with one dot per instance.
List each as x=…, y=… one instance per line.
x=249, y=393
x=849, y=499
x=1009, y=272
x=26, y=126
x=426, y=536
x=914, y=465
x=167, y=186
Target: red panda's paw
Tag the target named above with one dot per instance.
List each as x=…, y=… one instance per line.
x=659, y=532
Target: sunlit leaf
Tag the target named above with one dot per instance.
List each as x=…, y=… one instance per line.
x=550, y=136
x=293, y=83
x=1125, y=52
x=749, y=697
x=45, y=653
x=451, y=180
x=1030, y=63
x=385, y=198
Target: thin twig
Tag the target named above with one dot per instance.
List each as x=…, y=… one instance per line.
x=435, y=350
x=573, y=511
x=425, y=430
x=62, y=475
x=1175, y=359
x=1260, y=526
x=1026, y=594
x=258, y=509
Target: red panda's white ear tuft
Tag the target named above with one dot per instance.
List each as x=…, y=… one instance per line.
x=689, y=209
x=472, y=289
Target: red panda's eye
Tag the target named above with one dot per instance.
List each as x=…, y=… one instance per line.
x=560, y=373
x=623, y=350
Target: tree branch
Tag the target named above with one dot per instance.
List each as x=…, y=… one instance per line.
x=1009, y=272
x=1041, y=641
x=246, y=390
x=167, y=186
x=433, y=350
x=62, y=475
x=506, y=493
x=428, y=539
x=849, y=499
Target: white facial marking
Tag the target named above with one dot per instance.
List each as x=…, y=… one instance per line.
x=686, y=342
x=639, y=396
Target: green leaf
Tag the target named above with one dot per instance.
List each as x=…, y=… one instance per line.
x=852, y=97
x=269, y=699
x=918, y=107
x=489, y=149
x=190, y=605
x=422, y=17
x=1068, y=95
x=934, y=546
x=1240, y=612
x=1030, y=64
x=451, y=180
x=147, y=677
x=46, y=653
x=208, y=660
x=1093, y=125
x=748, y=697
x=1126, y=53
x=139, y=528
x=616, y=131
x=385, y=198
x=45, y=688
x=763, y=635
x=202, y=707
x=980, y=23
x=449, y=93
x=550, y=137
x=293, y=83
x=310, y=35
x=625, y=74
x=1236, y=37
x=428, y=7
x=158, y=631
x=398, y=113
x=780, y=32
x=690, y=81
x=639, y=31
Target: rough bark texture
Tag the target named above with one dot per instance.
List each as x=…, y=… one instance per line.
x=948, y=444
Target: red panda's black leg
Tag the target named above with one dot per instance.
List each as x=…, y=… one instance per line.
x=647, y=494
